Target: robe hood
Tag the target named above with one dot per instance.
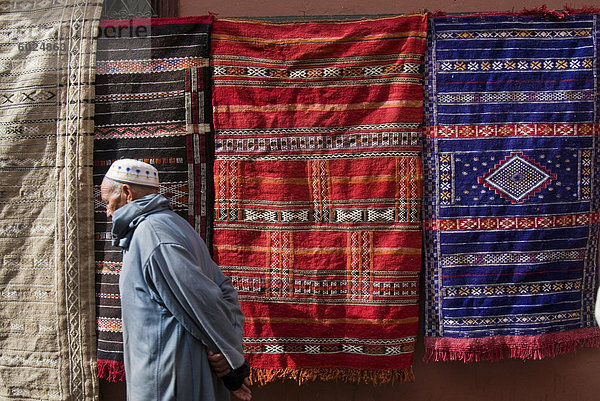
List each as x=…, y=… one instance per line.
x=128, y=217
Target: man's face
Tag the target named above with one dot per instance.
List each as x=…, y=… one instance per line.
x=112, y=199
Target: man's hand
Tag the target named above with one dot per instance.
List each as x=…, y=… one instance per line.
x=243, y=393
x=218, y=364
x=221, y=367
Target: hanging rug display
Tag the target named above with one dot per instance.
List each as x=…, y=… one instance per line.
x=152, y=104
x=318, y=192
x=511, y=190
x=47, y=327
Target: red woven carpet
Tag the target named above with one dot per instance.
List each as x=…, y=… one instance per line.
x=318, y=192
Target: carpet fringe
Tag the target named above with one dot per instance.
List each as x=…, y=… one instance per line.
x=374, y=377
x=541, y=11
x=527, y=347
x=583, y=10
x=113, y=371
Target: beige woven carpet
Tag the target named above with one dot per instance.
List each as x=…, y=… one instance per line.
x=47, y=324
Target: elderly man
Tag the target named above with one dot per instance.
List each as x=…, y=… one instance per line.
x=179, y=310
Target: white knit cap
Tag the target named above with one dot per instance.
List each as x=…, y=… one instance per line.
x=132, y=171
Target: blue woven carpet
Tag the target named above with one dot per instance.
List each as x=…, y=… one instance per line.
x=511, y=192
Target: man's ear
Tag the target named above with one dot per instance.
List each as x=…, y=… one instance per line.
x=127, y=192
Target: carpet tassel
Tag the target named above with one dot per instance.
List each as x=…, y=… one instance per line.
x=113, y=371
x=526, y=347
x=301, y=376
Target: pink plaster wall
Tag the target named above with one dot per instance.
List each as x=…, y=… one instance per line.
x=265, y=8
x=570, y=377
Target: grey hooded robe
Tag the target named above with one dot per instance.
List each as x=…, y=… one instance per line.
x=176, y=303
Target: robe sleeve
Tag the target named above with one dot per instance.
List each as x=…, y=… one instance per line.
x=206, y=309
x=230, y=296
